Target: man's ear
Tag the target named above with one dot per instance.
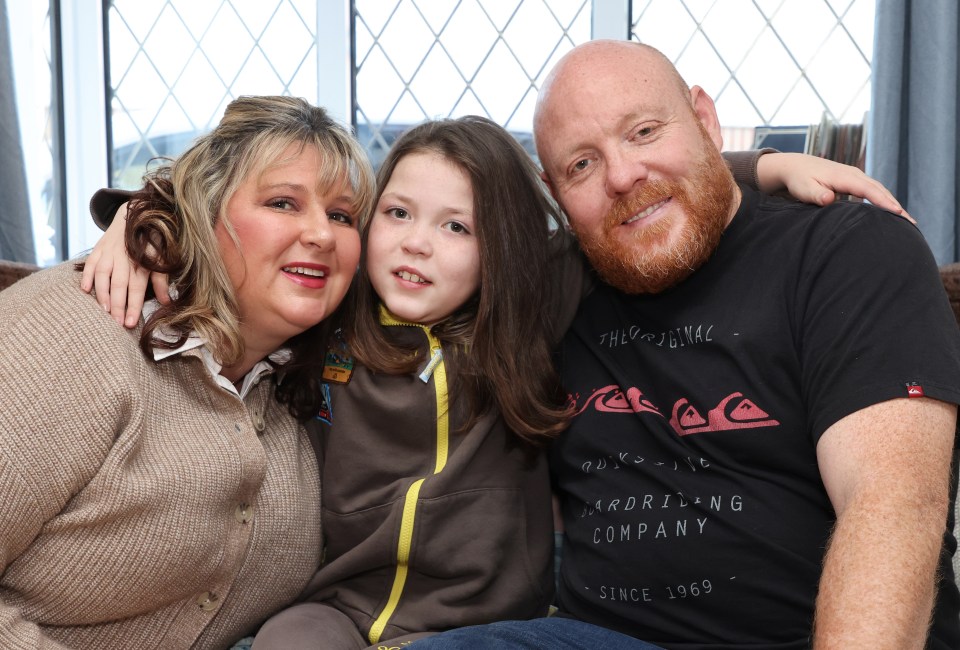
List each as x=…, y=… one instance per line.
x=706, y=112
x=546, y=181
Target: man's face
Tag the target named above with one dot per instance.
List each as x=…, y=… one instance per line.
x=629, y=159
x=648, y=258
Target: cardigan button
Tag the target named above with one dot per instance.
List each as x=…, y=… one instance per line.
x=244, y=513
x=258, y=422
x=208, y=601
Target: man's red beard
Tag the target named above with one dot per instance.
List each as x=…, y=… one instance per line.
x=647, y=262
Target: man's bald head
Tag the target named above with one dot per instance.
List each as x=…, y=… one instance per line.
x=600, y=63
x=633, y=157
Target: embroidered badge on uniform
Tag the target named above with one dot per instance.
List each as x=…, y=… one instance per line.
x=325, y=413
x=338, y=365
x=914, y=389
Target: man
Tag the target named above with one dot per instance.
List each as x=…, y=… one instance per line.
x=765, y=392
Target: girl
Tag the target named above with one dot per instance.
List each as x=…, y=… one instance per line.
x=436, y=504
x=436, y=397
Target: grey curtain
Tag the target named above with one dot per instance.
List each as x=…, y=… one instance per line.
x=16, y=232
x=912, y=142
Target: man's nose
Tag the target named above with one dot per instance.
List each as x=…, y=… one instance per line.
x=623, y=173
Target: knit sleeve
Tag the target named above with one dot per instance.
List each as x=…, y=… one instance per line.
x=53, y=435
x=743, y=165
x=18, y=519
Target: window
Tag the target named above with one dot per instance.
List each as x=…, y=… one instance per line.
x=174, y=64
x=770, y=62
x=30, y=41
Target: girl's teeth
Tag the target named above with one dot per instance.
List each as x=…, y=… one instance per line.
x=411, y=277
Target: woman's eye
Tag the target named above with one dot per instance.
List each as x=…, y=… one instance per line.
x=341, y=217
x=281, y=204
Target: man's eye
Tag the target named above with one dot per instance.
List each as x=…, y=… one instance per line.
x=580, y=165
x=644, y=132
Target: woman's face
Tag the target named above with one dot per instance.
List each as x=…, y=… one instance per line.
x=298, y=248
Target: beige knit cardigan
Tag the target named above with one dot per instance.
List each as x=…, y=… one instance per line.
x=141, y=505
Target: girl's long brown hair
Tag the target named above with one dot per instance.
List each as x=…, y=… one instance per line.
x=499, y=337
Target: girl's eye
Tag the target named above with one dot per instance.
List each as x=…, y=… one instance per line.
x=397, y=213
x=457, y=227
x=341, y=217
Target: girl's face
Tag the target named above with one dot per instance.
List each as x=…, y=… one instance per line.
x=422, y=252
x=299, y=248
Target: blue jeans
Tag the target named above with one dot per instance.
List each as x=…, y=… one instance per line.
x=552, y=633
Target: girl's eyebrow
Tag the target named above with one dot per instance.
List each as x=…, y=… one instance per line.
x=406, y=199
x=396, y=196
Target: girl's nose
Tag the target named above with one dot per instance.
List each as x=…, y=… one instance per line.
x=417, y=241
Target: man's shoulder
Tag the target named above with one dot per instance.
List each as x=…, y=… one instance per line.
x=839, y=227
x=837, y=216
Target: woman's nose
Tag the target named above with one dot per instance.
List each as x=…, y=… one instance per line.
x=318, y=232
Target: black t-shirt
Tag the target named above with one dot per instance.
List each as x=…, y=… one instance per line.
x=694, y=511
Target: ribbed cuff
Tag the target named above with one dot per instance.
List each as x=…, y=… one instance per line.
x=743, y=164
x=104, y=205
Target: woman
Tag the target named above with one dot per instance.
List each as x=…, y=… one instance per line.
x=180, y=506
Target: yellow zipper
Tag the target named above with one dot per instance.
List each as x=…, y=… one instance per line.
x=436, y=367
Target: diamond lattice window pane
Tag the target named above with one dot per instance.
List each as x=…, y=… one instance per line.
x=732, y=45
x=168, y=60
x=176, y=64
x=201, y=107
x=196, y=16
x=419, y=59
x=469, y=25
x=438, y=12
x=432, y=58
x=778, y=62
x=287, y=42
x=406, y=39
x=438, y=83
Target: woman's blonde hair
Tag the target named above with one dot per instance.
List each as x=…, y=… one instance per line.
x=170, y=226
